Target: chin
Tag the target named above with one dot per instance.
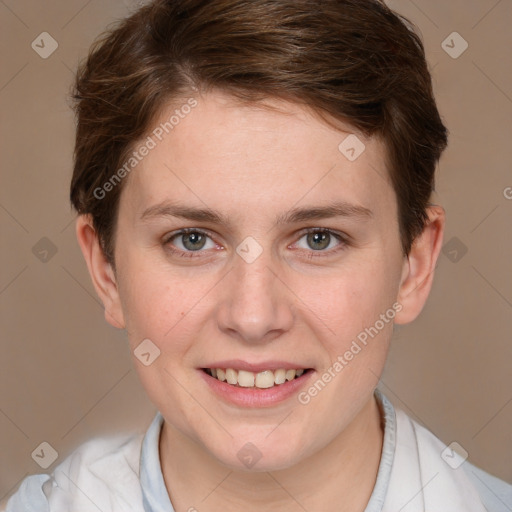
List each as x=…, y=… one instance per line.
x=260, y=457
x=263, y=465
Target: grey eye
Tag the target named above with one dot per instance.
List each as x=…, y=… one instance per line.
x=318, y=240
x=193, y=241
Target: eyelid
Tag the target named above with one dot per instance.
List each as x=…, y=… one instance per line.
x=175, y=234
x=183, y=231
x=339, y=234
x=343, y=238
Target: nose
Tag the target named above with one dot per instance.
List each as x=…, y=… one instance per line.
x=256, y=304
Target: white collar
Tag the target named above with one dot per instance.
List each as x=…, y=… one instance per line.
x=412, y=476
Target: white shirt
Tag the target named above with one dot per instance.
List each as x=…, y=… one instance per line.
x=123, y=474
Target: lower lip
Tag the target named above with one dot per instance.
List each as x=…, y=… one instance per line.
x=255, y=397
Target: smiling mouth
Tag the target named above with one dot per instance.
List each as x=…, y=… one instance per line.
x=261, y=380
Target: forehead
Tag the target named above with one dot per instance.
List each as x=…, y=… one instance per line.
x=250, y=158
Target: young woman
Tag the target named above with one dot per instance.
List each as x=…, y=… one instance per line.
x=253, y=183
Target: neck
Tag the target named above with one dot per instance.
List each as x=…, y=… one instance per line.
x=340, y=477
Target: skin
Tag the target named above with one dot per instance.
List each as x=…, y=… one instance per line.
x=293, y=303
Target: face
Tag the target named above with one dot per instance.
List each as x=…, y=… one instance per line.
x=291, y=254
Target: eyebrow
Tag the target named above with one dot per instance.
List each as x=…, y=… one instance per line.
x=295, y=215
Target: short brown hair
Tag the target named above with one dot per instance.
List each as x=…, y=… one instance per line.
x=354, y=60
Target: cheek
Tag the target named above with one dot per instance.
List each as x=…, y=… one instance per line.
x=349, y=298
x=155, y=302
x=347, y=307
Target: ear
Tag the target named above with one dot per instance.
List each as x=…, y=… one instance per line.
x=100, y=270
x=418, y=269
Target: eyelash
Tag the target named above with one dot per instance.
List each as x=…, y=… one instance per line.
x=343, y=239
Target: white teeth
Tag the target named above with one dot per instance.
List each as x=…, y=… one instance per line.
x=280, y=376
x=262, y=380
x=290, y=374
x=231, y=376
x=245, y=379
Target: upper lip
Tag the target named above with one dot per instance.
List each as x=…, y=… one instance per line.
x=238, y=364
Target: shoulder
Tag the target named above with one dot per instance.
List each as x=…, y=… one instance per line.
x=494, y=494
x=102, y=473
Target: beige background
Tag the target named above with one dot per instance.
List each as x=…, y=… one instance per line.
x=65, y=375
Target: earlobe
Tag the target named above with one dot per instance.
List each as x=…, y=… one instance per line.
x=100, y=270
x=418, y=269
